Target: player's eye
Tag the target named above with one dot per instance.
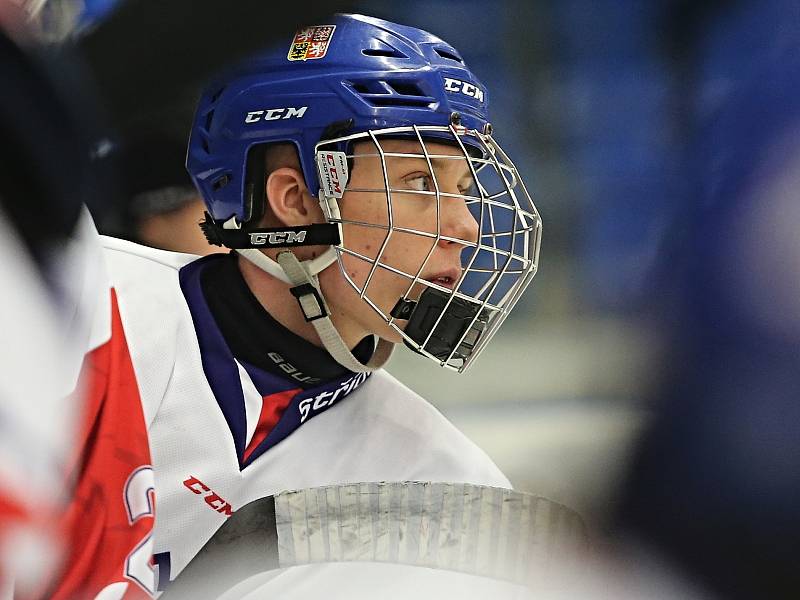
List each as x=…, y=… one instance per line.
x=419, y=182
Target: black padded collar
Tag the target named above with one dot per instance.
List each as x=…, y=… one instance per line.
x=256, y=338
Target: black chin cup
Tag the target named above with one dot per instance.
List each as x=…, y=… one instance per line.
x=422, y=316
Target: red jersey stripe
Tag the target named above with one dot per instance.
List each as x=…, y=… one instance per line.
x=271, y=412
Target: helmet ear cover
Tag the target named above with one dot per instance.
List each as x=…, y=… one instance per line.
x=255, y=174
x=255, y=195
x=249, y=235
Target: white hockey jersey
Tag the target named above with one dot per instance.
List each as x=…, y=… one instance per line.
x=224, y=432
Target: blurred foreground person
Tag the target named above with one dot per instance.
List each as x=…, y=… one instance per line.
x=70, y=450
x=714, y=490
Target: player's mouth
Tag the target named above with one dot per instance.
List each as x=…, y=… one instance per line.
x=446, y=278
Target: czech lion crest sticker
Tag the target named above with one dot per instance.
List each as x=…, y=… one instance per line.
x=311, y=42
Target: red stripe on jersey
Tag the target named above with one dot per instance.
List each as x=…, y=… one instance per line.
x=272, y=409
x=110, y=515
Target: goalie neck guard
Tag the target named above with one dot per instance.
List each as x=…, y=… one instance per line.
x=333, y=85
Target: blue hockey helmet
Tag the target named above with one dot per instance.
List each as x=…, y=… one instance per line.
x=356, y=74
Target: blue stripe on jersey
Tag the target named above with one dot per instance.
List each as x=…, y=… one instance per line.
x=218, y=363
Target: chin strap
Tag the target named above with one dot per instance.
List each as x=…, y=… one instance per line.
x=305, y=287
x=259, y=259
x=265, y=263
x=315, y=310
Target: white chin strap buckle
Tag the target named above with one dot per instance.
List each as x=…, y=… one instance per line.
x=310, y=301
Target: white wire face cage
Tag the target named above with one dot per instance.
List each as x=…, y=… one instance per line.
x=447, y=319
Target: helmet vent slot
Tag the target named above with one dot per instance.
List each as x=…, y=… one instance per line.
x=400, y=101
x=391, y=93
x=221, y=182
x=405, y=88
x=383, y=52
x=217, y=94
x=444, y=53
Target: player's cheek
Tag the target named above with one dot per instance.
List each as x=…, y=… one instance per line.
x=416, y=247
x=415, y=212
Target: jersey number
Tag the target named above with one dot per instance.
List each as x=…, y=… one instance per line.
x=139, y=491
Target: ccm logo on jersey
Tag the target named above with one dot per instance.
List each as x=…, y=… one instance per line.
x=463, y=87
x=211, y=498
x=278, y=238
x=273, y=114
x=325, y=399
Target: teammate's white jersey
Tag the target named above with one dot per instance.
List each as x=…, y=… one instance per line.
x=73, y=435
x=224, y=432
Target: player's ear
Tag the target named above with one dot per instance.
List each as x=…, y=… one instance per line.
x=289, y=199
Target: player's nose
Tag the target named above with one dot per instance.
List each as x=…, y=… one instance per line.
x=457, y=222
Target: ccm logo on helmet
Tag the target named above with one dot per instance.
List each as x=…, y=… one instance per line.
x=334, y=175
x=463, y=87
x=273, y=114
x=277, y=238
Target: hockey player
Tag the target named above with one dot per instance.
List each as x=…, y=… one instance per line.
x=355, y=174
